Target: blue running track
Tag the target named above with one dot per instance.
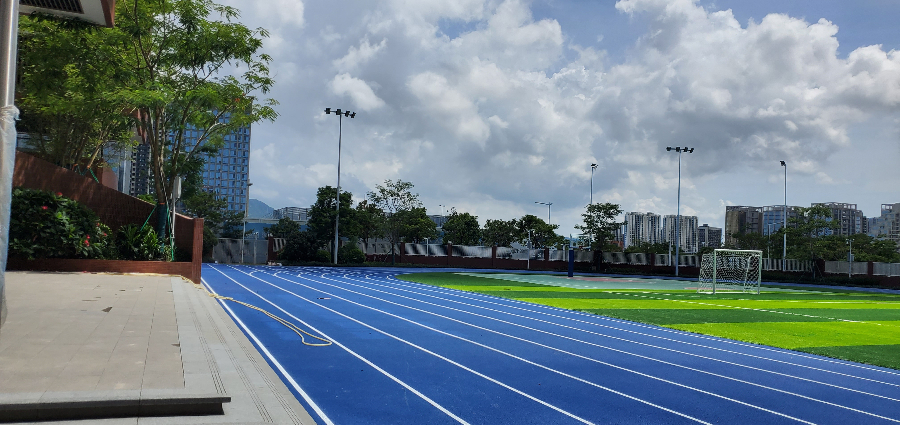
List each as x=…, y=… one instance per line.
x=406, y=353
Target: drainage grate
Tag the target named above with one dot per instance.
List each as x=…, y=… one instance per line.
x=71, y=6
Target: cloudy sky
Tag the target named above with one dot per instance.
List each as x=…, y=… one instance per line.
x=490, y=105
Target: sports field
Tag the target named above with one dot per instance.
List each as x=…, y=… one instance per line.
x=850, y=325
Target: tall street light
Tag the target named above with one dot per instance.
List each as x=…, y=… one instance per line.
x=784, y=224
x=337, y=207
x=593, y=167
x=548, y=204
x=680, y=150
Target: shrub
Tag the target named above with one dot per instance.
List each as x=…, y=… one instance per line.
x=324, y=256
x=299, y=246
x=47, y=225
x=350, y=254
x=138, y=244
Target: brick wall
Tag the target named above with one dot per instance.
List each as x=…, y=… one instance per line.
x=115, y=209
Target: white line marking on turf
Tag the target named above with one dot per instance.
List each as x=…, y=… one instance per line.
x=534, y=308
x=268, y=354
x=571, y=415
x=335, y=342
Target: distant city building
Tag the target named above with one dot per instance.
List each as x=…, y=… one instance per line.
x=294, y=213
x=139, y=173
x=773, y=218
x=886, y=226
x=742, y=219
x=688, y=239
x=642, y=227
x=710, y=237
x=850, y=220
x=228, y=173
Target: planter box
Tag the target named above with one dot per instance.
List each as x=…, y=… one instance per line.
x=113, y=266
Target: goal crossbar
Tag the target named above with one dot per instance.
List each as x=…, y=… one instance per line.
x=730, y=270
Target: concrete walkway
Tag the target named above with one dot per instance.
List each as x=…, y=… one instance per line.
x=138, y=349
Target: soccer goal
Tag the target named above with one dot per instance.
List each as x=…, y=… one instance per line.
x=730, y=270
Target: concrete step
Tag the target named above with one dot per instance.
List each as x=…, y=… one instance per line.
x=114, y=404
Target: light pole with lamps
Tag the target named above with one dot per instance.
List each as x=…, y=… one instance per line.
x=337, y=207
x=678, y=211
x=850, y=259
x=548, y=204
x=784, y=223
x=246, y=215
x=593, y=167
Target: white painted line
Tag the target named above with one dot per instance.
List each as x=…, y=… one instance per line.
x=534, y=308
x=335, y=342
x=272, y=358
x=479, y=374
x=619, y=351
x=602, y=346
x=509, y=355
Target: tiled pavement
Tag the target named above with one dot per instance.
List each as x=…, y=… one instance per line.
x=150, y=349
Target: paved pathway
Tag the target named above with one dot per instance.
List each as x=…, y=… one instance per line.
x=148, y=349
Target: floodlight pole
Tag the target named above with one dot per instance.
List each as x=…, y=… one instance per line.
x=784, y=223
x=678, y=210
x=850, y=259
x=337, y=207
x=548, y=204
x=593, y=167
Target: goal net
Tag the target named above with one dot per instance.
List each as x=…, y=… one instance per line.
x=730, y=270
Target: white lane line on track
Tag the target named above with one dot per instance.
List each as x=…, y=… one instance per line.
x=569, y=414
x=335, y=342
x=605, y=363
x=539, y=365
x=272, y=358
x=605, y=347
x=534, y=308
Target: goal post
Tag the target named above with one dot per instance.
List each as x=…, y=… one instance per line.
x=730, y=270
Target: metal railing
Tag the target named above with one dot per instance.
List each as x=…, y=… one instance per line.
x=886, y=269
x=843, y=267
x=228, y=251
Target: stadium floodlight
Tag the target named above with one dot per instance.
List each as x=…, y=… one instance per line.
x=548, y=204
x=784, y=224
x=593, y=167
x=678, y=211
x=337, y=207
x=246, y=216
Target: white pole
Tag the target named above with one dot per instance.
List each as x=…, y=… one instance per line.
x=678, y=215
x=850, y=260
x=784, y=224
x=246, y=215
x=337, y=214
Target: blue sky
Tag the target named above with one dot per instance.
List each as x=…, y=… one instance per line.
x=491, y=105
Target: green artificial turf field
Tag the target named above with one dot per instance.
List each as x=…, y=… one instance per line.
x=850, y=325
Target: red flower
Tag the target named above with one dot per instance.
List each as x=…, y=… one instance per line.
x=104, y=234
x=88, y=236
x=44, y=207
x=58, y=193
x=86, y=243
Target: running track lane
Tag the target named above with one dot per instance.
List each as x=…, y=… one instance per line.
x=411, y=353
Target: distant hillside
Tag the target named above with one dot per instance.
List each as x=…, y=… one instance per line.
x=259, y=209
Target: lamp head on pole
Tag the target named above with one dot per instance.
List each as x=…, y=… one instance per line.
x=327, y=111
x=783, y=164
x=593, y=167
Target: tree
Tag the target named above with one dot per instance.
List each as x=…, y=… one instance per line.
x=500, y=232
x=299, y=246
x=806, y=230
x=393, y=198
x=416, y=226
x=69, y=76
x=462, y=229
x=284, y=228
x=600, y=222
x=321, y=216
x=369, y=222
x=176, y=56
x=542, y=234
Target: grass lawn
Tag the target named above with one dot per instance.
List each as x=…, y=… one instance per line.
x=858, y=326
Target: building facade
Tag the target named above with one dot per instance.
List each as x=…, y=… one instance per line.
x=688, y=238
x=709, y=237
x=886, y=226
x=294, y=213
x=642, y=227
x=850, y=219
x=228, y=173
x=742, y=219
x=773, y=218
